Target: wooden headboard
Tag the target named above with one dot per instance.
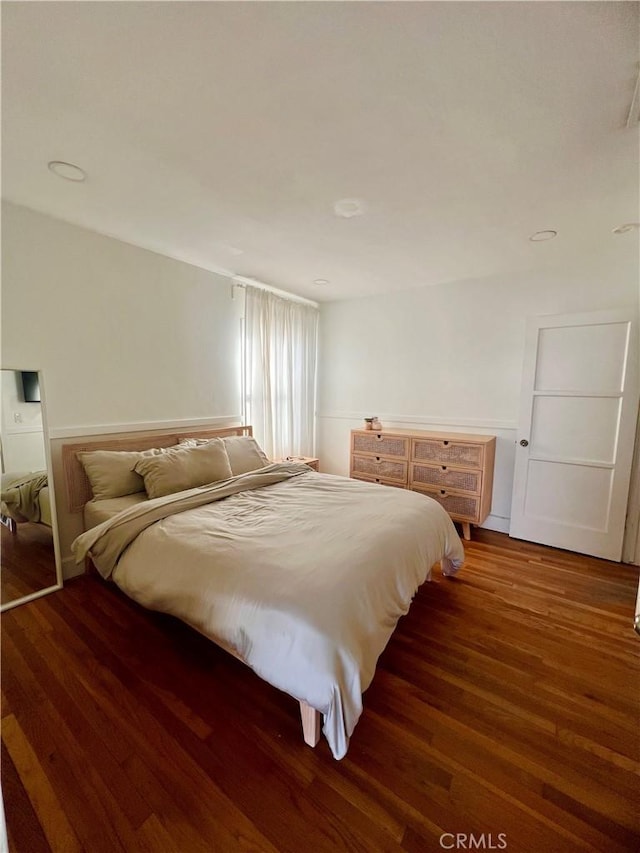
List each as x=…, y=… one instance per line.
x=78, y=489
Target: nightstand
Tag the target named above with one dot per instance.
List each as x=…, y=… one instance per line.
x=311, y=461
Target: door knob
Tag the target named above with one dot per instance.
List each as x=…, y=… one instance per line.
x=524, y=442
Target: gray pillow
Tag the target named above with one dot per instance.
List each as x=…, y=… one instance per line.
x=244, y=452
x=110, y=472
x=183, y=468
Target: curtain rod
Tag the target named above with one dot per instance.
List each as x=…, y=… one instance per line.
x=241, y=281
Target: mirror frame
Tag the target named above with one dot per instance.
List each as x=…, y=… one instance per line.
x=54, y=517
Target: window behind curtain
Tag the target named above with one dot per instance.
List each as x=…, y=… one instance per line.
x=280, y=343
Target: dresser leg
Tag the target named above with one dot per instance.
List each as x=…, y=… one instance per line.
x=466, y=530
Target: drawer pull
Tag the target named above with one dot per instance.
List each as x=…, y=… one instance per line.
x=378, y=437
x=445, y=443
x=377, y=458
x=377, y=481
x=443, y=491
x=444, y=467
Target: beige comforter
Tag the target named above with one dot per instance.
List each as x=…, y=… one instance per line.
x=305, y=575
x=20, y=496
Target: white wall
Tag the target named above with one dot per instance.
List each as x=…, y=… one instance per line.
x=126, y=336
x=21, y=428
x=122, y=335
x=450, y=356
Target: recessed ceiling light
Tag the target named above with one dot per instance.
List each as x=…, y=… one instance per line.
x=540, y=236
x=321, y=281
x=633, y=117
x=348, y=207
x=67, y=171
x=628, y=226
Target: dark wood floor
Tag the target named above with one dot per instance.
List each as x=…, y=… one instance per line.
x=28, y=562
x=506, y=702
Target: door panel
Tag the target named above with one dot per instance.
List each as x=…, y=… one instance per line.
x=558, y=427
x=561, y=494
x=576, y=430
x=570, y=358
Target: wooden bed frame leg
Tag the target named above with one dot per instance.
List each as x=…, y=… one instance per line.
x=311, y=721
x=466, y=530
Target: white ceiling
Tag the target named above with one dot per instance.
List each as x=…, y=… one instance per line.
x=464, y=128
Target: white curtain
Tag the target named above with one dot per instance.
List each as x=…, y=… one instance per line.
x=279, y=373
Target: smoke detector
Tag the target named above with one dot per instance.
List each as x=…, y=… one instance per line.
x=348, y=207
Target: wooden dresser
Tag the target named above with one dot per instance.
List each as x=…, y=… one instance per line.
x=456, y=469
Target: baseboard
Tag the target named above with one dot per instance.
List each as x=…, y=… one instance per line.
x=497, y=523
x=71, y=569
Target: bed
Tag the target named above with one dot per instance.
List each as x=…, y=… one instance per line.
x=302, y=576
x=24, y=496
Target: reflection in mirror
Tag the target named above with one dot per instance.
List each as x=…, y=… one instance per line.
x=28, y=561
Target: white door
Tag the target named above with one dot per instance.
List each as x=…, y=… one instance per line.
x=576, y=432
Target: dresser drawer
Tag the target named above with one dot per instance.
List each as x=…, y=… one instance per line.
x=455, y=469
x=447, y=452
x=379, y=444
x=444, y=477
x=378, y=467
x=461, y=507
x=382, y=482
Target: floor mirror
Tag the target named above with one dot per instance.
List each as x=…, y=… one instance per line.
x=30, y=563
